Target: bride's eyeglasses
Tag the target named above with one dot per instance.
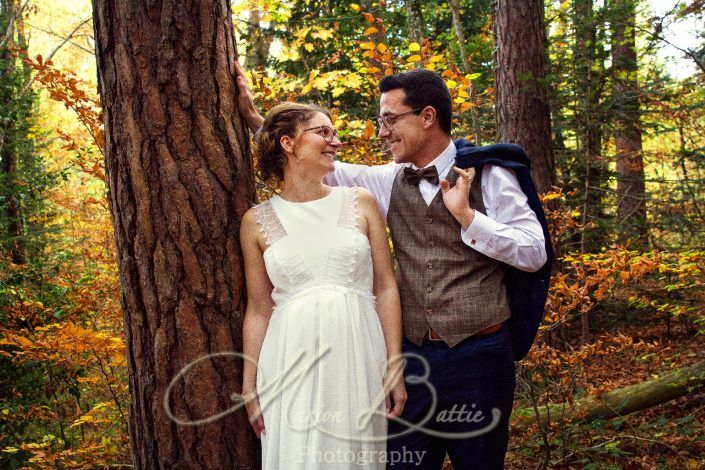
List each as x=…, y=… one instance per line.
x=328, y=133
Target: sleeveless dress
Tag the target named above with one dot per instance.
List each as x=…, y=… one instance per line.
x=323, y=358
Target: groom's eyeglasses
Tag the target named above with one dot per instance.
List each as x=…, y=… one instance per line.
x=389, y=120
x=329, y=134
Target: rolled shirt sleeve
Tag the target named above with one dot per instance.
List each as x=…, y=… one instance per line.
x=510, y=232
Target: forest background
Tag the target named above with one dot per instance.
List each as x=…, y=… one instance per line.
x=615, y=379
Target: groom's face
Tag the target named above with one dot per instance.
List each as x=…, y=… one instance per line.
x=405, y=133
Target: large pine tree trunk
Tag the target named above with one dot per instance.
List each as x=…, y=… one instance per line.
x=631, y=203
x=179, y=179
x=522, y=108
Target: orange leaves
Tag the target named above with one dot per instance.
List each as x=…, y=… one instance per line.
x=380, y=60
x=65, y=344
x=369, y=130
x=68, y=90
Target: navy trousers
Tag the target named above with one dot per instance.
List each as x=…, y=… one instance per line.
x=472, y=386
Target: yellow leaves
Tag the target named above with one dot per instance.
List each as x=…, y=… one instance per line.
x=82, y=420
x=370, y=30
x=322, y=34
x=414, y=47
x=289, y=53
x=89, y=380
x=302, y=33
x=367, y=46
x=309, y=47
x=414, y=58
x=451, y=84
x=353, y=80
x=381, y=48
x=550, y=197
x=355, y=8
x=97, y=414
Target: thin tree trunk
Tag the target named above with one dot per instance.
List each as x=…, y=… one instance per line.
x=522, y=108
x=414, y=21
x=460, y=37
x=631, y=203
x=8, y=135
x=459, y=33
x=179, y=179
x=587, y=118
x=589, y=81
x=259, y=42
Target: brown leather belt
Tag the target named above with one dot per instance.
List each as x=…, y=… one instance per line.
x=433, y=336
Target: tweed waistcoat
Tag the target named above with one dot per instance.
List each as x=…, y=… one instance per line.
x=443, y=284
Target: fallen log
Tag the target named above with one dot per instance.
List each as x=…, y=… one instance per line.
x=619, y=402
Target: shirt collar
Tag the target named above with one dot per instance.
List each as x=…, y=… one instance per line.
x=443, y=161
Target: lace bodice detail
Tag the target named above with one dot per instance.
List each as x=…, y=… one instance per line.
x=315, y=244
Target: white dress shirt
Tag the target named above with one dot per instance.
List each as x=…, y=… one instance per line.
x=509, y=233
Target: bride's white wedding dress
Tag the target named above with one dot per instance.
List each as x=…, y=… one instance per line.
x=323, y=358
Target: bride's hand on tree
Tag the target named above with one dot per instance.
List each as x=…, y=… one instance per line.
x=254, y=413
x=246, y=103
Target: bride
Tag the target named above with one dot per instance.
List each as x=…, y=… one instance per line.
x=322, y=330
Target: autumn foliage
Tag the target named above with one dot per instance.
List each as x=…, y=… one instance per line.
x=615, y=316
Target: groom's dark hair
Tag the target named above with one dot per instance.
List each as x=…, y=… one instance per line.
x=422, y=88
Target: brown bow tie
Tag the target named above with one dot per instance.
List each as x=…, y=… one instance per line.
x=415, y=176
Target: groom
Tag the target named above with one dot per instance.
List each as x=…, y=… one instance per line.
x=454, y=231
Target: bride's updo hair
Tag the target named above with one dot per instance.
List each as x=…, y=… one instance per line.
x=284, y=119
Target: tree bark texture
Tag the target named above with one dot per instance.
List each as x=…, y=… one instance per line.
x=179, y=180
x=622, y=401
x=631, y=186
x=522, y=107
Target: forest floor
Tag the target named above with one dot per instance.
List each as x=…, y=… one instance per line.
x=668, y=436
